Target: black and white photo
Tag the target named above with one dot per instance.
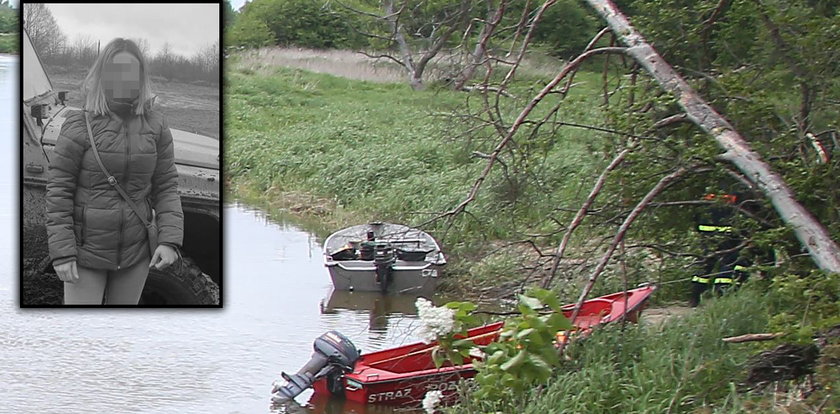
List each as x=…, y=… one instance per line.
x=120, y=155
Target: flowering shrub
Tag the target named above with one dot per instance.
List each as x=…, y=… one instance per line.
x=431, y=401
x=524, y=355
x=436, y=321
x=442, y=324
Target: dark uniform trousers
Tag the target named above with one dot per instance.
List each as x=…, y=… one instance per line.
x=721, y=271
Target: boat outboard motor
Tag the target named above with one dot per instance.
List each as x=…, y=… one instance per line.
x=383, y=257
x=334, y=355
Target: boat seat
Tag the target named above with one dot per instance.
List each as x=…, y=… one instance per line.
x=412, y=255
x=344, y=253
x=591, y=312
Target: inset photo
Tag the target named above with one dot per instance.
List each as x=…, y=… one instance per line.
x=120, y=155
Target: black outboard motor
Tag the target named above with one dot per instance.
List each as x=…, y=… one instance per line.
x=383, y=257
x=334, y=355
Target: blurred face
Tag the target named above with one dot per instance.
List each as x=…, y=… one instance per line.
x=121, y=77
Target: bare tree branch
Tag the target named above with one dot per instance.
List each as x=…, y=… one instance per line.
x=519, y=27
x=663, y=183
x=384, y=56
x=806, y=92
x=525, y=42
x=519, y=121
x=481, y=47
x=588, y=47
x=673, y=119
x=596, y=189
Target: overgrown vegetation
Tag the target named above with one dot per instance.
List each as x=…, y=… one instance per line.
x=682, y=366
x=425, y=158
x=453, y=34
x=302, y=23
x=381, y=152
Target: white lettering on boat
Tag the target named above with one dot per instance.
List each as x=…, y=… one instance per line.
x=389, y=396
x=442, y=386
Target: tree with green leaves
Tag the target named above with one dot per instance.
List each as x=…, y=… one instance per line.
x=412, y=33
x=300, y=23
x=752, y=76
x=228, y=15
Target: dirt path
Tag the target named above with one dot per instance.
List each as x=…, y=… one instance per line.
x=657, y=316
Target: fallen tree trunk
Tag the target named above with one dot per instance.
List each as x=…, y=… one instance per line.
x=810, y=232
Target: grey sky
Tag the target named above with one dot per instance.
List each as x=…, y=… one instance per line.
x=237, y=4
x=187, y=28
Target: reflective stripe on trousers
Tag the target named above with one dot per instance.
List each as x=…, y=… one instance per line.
x=707, y=228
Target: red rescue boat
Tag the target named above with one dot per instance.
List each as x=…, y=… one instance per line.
x=403, y=375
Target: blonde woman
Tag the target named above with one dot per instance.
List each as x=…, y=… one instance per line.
x=98, y=241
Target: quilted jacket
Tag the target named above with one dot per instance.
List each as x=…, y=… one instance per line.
x=86, y=217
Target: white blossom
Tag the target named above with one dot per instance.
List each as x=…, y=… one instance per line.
x=431, y=400
x=435, y=320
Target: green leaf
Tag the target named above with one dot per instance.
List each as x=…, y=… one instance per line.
x=510, y=381
x=515, y=361
x=559, y=322
x=455, y=357
x=438, y=357
x=547, y=297
x=496, y=357
x=538, y=323
x=525, y=332
x=530, y=302
x=541, y=367
x=459, y=343
x=549, y=355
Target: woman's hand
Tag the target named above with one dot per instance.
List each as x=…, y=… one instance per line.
x=67, y=272
x=164, y=256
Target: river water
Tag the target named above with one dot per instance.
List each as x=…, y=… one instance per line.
x=278, y=299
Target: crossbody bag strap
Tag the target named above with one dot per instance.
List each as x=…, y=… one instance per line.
x=111, y=179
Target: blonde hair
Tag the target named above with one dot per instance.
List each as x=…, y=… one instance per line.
x=92, y=91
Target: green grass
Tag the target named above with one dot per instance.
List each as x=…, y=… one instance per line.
x=368, y=146
x=681, y=366
x=335, y=152
x=380, y=151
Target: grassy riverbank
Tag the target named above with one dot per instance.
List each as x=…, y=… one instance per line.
x=681, y=366
x=348, y=151
x=334, y=152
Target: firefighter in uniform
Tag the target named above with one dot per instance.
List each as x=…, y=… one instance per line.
x=723, y=266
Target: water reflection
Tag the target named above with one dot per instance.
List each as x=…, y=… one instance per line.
x=379, y=308
x=277, y=301
x=8, y=154
x=208, y=361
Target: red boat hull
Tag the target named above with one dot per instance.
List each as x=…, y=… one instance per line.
x=403, y=375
